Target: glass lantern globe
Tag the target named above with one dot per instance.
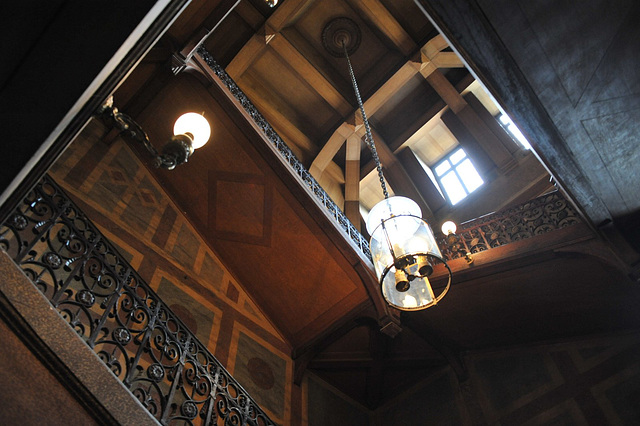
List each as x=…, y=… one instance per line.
x=195, y=126
x=403, y=248
x=448, y=227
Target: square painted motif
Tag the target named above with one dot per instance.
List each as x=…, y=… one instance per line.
x=262, y=373
x=197, y=317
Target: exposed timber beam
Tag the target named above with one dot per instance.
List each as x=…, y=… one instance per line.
x=251, y=51
x=490, y=143
x=307, y=71
x=352, y=180
x=209, y=25
x=390, y=87
x=255, y=47
x=330, y=149
x=277, y=112
x=411, y=68
x=396, y=144
x=380, y=16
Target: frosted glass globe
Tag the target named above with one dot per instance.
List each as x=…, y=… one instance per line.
x=448, y=228
x=403, y=226
x=194, y=124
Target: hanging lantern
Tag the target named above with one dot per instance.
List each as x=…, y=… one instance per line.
x=403, y=249
x=402, y=245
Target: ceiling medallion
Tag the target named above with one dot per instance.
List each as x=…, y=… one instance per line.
x=341, y=31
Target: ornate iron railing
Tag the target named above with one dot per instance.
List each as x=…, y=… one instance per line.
x=535, y=217
x=118, y=315
x=538, y=216
x=287, y=155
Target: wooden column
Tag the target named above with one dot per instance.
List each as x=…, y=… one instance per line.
x=398, y=177
x=352, y=180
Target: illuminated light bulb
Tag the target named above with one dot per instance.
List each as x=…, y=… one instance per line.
x=402, y=282
x=409, y=301
x=449, y=228
x=401, y=216
x=195, y=126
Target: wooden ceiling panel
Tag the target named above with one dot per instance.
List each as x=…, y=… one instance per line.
x=373, y=60
x=405, y=108
x=192, y=17
x=310, y=111
x=412, y=20
x=237, y=32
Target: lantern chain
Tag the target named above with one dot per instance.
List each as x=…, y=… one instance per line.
x=368, y=138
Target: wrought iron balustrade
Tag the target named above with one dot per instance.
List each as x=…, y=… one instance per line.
x=538, y=216
x=287, y=155
x=535, y=217
x=119, y=316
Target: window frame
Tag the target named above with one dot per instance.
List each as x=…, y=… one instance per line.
x=453, y=169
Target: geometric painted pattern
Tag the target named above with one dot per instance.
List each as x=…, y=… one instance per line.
x=122, y=198
x=594, y=382
x=264, y=371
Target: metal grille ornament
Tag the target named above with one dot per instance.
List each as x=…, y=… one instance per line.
x=118, y=315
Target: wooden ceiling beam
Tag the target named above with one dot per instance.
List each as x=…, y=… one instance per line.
x=310, y=74
x=254, y=48
x=250, y=52
x=381, y=18
x=354, y=120
x=276, y=113
x=203, y=31
x=490, y=143
x=288, y=12
x=352, y=180
x=250, y=15
x=445, y=89
x=391, y=87
x=330, y=148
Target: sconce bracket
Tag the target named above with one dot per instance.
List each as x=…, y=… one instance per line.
x=175, y=152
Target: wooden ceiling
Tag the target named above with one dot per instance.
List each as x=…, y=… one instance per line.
x=318, y=291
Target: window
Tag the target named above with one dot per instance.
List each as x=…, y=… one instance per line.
x=515, y=133
x=457, y=176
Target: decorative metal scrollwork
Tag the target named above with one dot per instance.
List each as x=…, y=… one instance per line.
x=118, y=315
x=538, y=216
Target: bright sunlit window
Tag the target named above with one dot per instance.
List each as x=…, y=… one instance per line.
x=457, y=176
x=514, y=131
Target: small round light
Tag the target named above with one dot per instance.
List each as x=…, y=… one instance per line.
x=448, y=228
x=195, y=126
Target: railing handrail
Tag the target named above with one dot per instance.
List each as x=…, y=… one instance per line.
x=118, y=315
x=537, y=216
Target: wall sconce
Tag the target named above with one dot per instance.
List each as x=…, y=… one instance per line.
x=453, y=240
x=191, y=131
